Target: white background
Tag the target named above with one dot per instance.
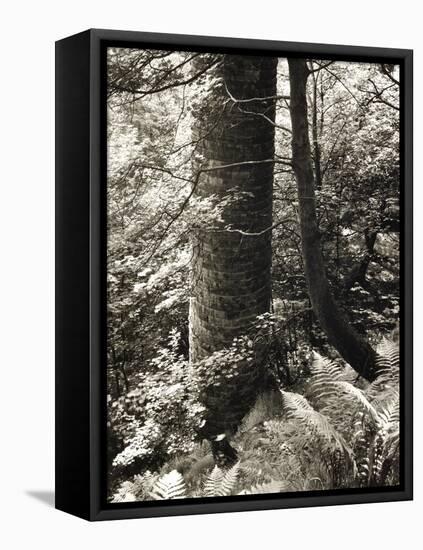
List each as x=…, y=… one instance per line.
x=28, y=32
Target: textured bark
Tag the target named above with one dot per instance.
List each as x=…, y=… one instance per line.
x=315, y=132
x=231, y=272
x=357, y=352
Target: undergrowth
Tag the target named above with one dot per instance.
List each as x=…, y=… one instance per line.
x=339, y=432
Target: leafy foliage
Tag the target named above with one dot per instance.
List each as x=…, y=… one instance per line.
x=161, y=416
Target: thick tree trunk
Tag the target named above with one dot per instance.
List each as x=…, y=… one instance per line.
x=231, y=271
x=339, y=331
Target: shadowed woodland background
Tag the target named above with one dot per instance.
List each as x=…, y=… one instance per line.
x=253, y=274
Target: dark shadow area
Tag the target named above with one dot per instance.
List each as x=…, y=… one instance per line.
x=46, y=497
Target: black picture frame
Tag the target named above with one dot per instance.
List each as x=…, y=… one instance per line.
x=80, y=274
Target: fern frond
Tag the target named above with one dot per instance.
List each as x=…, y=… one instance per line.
x=359, y=397
x=213, y=482
x=220, y=483
x=324, y=372
x=324, y=366
x=297, y=407
x=387, y=365
x=389, y=412
x=388, y=358
x=362, y=443
x=392, y=445
x=378, y=457
x=331, y=393
x=169, y=486
x=229, y=480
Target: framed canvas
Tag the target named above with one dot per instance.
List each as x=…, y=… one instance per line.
x=233, y=274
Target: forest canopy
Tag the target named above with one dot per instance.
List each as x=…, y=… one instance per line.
x=252, y=274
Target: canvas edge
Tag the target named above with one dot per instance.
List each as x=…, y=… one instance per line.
x=97, y=510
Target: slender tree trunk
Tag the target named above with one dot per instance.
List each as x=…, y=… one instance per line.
x=339, y=331
x=231, y=271
x=315, y=131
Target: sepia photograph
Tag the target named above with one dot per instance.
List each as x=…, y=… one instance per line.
x=253, y=275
